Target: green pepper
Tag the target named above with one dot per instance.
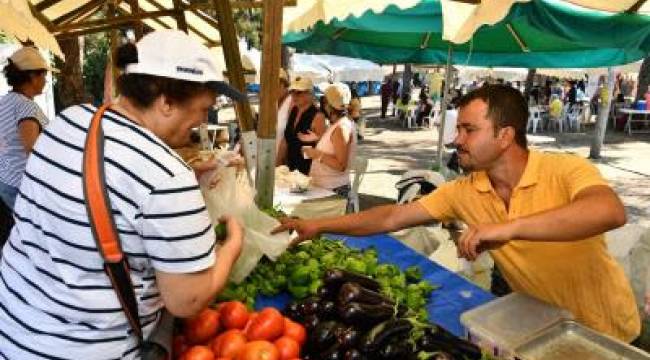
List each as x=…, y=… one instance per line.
x=299, y=292
x=356, y=265
x=413, y=273
x=220, y=231
x=301, y=276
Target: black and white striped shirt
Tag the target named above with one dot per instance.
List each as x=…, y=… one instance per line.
x=55, y=300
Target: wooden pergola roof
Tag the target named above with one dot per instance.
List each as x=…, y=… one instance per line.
x=71, y=18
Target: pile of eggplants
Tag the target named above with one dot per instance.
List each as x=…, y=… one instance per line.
x=349, y=319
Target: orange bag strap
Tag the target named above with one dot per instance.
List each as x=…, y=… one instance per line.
x=98, y=207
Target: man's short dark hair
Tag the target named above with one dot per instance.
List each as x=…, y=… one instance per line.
x=506, y=107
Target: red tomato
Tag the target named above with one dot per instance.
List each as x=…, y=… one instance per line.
x=295, y=331
x=229, y=344
x=234, y=315
x=288, y=348
x=251, y=317
x=179, y=346
x=259, y=350
x=268, y=325
x=223, y=358
x=198, y=352
x=202, y=327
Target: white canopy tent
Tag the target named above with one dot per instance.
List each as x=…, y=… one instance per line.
x=306, y=66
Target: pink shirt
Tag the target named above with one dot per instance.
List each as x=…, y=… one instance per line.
x=323, y=175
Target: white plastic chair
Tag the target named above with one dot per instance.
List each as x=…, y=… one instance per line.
x=359, y=167
x=533, y=118
x=574, y=117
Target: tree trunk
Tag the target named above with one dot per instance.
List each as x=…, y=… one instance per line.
x=70, y=85
x=644, y=79
x=528, y=87
x=406, y=79
x=603, y=116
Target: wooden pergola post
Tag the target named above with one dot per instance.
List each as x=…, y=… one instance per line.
x=112, y=9
x=181, y=23
x=232, y=56
x=138, y=27
x=269, y=93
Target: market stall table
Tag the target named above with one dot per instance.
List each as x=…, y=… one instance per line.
x=630, y=113
x=455, y=295
x=315, y=202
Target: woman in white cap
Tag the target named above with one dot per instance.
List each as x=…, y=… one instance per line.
x=21, y=119
x=335, y=151
x=305, y=126
x=56, y=300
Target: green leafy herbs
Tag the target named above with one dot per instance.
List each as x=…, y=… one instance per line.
x=300, y=269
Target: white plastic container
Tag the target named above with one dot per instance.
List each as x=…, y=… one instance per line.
x=502, y=325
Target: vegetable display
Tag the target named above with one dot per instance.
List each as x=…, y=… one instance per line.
x=302, y=270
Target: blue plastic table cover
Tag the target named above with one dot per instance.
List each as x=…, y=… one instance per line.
x=455, y=295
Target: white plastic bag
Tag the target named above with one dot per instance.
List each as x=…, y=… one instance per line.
x=233, y=195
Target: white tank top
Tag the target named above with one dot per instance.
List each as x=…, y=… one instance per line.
x=323, y=175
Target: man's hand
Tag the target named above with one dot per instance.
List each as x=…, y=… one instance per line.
x=478, y=238
x=305, y=228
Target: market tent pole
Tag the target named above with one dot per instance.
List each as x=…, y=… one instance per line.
x=228, y=36
x=269, y=93
x=443, y=109
x=601, y=120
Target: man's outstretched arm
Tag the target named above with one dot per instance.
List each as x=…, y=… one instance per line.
x=379, y=219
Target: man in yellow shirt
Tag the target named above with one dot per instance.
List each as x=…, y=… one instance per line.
x=541, y=216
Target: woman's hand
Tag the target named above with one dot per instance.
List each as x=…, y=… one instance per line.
x=311, y=152
x=310, y=136
x=234, y=235
x=647, y=302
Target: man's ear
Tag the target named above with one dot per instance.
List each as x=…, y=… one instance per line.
x=506, y=136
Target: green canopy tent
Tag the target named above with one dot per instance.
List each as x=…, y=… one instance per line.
x=541, y=33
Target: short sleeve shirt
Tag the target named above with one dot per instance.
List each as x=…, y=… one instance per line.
x=54, y=295
x=580, y=275
x=15, y=108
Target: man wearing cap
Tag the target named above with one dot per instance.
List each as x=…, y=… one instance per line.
x=21, y=119
x=56, y=301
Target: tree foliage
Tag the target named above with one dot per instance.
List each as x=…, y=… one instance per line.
x=96, y=48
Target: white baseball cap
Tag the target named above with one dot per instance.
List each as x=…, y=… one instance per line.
x=174, y=54
x=29, y=58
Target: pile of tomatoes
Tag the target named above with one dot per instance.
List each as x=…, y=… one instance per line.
x=231, y=332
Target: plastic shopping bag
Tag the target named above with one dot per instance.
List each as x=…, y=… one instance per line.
x=233, y=195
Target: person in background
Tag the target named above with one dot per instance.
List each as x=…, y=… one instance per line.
x=385, y=93
x=21, y=119
x=425, y=105
x=555, y=108
x=354, y=110
x=56, y=300
x=284, y=107
x=542, y=216
x=305, y=125
x=335, y=151
x=646, y=96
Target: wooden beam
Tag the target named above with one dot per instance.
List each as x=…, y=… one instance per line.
x=233, y=60
x=112, y=21
x=45, y=4
x=41, y=18
x=237, y=4
x=179, y=15
x=635, y=8
x=74, y=14
x=269, y=94
x=138, y=27
x=208, y=41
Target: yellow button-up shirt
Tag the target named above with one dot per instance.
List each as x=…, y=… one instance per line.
x=580, y=275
